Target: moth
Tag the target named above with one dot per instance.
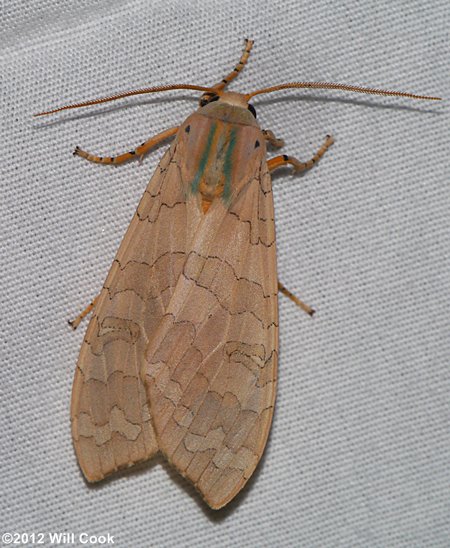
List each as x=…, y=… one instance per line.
x=180, y=355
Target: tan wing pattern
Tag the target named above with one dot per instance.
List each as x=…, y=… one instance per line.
x=111, y=423
x=211, y=367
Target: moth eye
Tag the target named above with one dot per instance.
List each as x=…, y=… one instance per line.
x=251, y=108
x=208, y=98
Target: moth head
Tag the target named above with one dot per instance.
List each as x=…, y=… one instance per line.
x=208, y=97
x=230, y=98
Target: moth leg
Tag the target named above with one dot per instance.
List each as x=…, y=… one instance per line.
x=237, y=69
x=136, y=153
x=306, y=308
x=270, y=138
x=283, y=160
x=76, y=322
x=206, y=97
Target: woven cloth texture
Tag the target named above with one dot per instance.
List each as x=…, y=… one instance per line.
x=359, y=451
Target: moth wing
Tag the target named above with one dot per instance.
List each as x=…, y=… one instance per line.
x=211, y=367
x=111, y=423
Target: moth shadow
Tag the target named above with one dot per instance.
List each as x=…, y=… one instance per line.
x=91, y=112
x=223, y=513
x=309, y=98
x=284, y=172
x=158, y=460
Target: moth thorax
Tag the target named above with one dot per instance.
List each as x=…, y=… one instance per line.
x=234, y=99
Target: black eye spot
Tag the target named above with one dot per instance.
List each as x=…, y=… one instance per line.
x=257, y=144
x=208, y=98
x=251, y=108
x=187, y=129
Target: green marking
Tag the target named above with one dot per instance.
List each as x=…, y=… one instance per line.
x=228, y=166
x=203, y=159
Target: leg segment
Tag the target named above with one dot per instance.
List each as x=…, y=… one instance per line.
x=237, y=69
x=206, y=97
x=283, y=160
x=306, y=308
x=137, y=153
x=270, y=138
x=76, y=322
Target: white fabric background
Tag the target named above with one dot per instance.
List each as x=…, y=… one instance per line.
x=360, y=448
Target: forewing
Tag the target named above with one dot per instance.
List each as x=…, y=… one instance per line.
x=111, y=423
x=211, y=367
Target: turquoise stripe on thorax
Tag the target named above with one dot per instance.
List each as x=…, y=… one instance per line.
x=203, y=159
x=228, y=166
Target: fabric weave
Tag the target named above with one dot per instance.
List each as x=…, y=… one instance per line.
x=359, y=450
